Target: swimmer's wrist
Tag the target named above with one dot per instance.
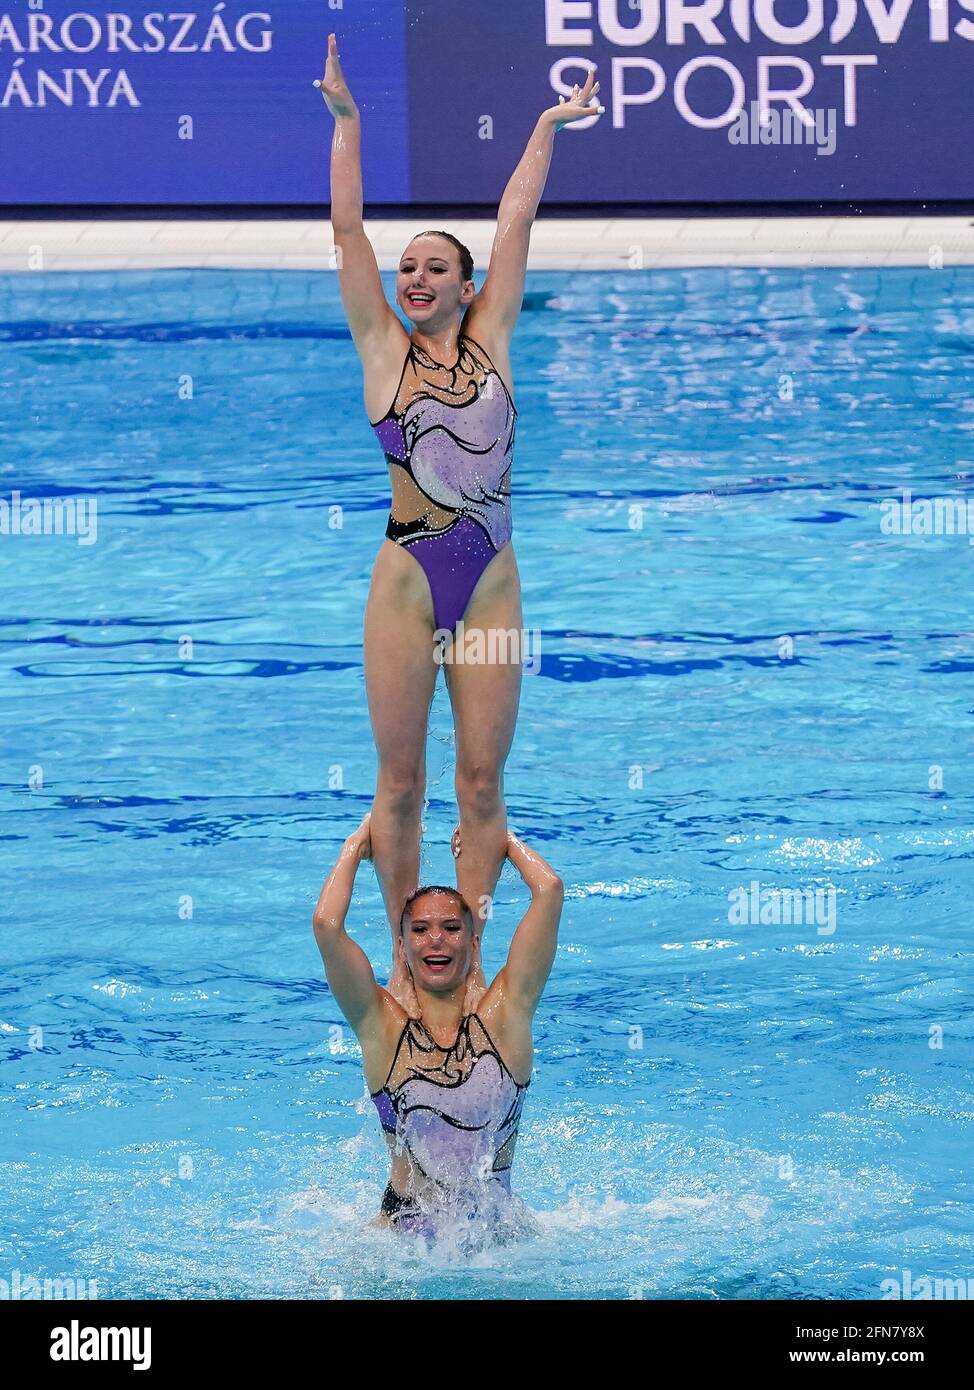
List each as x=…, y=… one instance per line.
x=342, y=105
x=348, y=111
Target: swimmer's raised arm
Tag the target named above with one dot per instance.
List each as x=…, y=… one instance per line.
x=369, y=316
x=532, y=950
x=499, y=299
x=347, y=967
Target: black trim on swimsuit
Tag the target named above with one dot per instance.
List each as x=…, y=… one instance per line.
x=392, y=414
x=404, y=531
x=394, y=1204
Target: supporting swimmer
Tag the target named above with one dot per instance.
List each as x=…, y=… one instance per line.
x=449, y=1085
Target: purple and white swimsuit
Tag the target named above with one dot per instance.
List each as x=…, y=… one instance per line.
x=452, y=430
x=454, y=1114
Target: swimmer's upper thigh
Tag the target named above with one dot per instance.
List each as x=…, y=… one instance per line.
x=399, y=588
x=400, y=667
x=496, y=599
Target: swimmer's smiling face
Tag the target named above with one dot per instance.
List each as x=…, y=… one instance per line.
x=430, y=288
x=437, y=942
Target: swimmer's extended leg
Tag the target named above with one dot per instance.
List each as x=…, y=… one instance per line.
x=485, y=700
x=400, y=677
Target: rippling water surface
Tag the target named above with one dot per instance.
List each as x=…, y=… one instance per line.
x=718, y=1111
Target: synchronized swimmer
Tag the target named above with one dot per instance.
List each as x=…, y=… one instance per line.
x=449, y=1084
x=447, y=1059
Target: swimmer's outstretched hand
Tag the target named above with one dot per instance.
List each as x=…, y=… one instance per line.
x=455, y=843
x=333, y=86
x=576, y=108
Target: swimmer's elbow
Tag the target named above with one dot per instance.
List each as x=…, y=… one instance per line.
x=325, y=924
x=553, y=887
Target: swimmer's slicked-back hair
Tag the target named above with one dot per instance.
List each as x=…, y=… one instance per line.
x=435, y=888
x=466, y=260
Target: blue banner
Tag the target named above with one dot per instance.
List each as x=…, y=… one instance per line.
x=127, y=103
x=879, y=98
x=712, y=101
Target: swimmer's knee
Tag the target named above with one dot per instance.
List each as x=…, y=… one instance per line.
x=478, y=788
x=400, y=789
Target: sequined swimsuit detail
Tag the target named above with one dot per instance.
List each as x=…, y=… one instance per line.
x=452, y=430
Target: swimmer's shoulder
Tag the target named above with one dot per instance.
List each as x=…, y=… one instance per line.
x=380, y=1041
x=383, y=357
x=508, y=1025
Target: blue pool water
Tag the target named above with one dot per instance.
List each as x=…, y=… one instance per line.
x=718, y=1111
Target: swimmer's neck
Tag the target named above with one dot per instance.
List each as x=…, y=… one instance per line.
x=442, y=1013
x=441, y=345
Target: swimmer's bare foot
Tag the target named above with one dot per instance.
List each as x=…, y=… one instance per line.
x=400, y=986
x=476, y=984
x=361, y=837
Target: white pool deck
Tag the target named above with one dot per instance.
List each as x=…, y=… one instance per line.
x=598, y=243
